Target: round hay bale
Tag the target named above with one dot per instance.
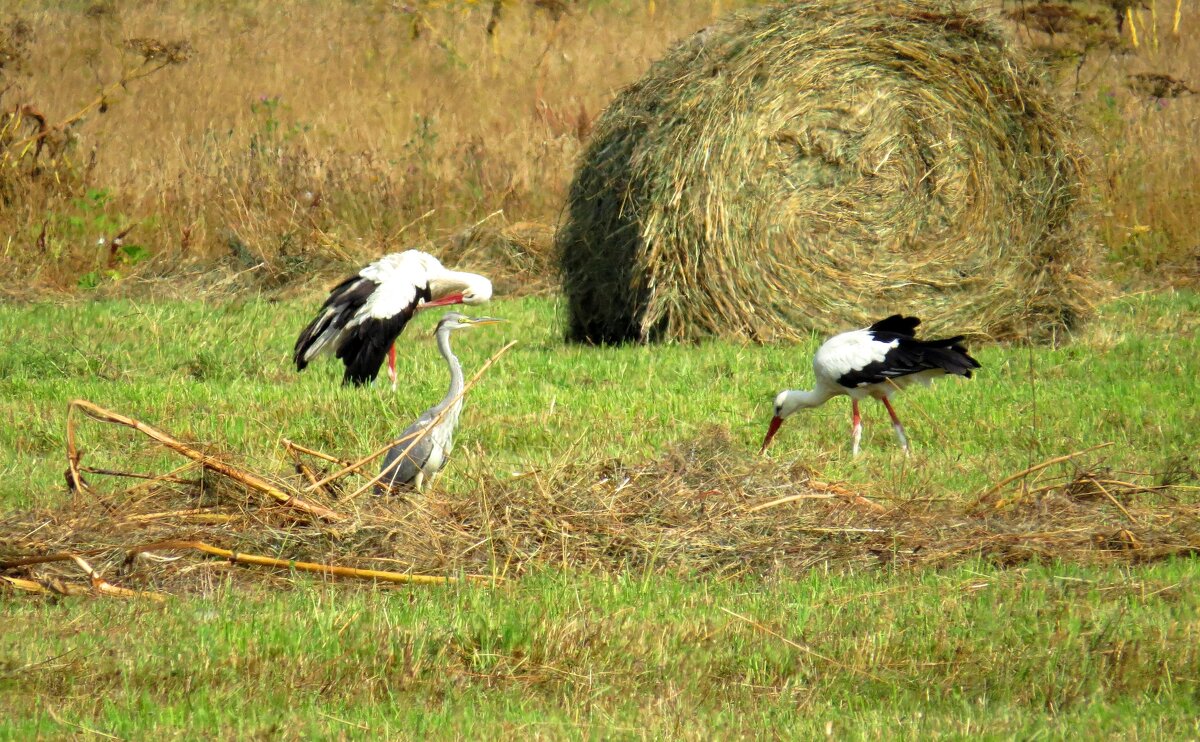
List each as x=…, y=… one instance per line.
x=821, y=164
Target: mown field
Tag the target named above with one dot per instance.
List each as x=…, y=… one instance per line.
x=1039, y=646
x=641, y=581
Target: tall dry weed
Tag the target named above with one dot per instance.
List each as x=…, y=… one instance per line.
x=1131, y=74
x=302, y=133
x=299, y=134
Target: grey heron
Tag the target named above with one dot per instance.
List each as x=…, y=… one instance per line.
x=427, y=456
x=364, y=314
x=875, y=362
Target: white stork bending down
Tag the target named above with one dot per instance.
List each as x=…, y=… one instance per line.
x=875, y=362
x=365, y=314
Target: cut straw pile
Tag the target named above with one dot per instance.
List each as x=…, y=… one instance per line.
x=712, y=508
x=820, y=164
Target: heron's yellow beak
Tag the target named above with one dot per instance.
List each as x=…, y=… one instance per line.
x=474, y=321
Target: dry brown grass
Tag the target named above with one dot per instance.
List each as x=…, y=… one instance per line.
x=302, y=134
x=306, y=132
x=1141, y=115
x=702, y=507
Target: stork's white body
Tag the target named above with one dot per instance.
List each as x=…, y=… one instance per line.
x=851, y=352
x=364, y=314
x=874, y=362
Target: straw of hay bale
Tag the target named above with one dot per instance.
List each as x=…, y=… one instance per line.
x=821, y=164
x=518, y=257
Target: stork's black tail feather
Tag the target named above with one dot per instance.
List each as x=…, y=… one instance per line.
x=307, y=336
x=950, y=355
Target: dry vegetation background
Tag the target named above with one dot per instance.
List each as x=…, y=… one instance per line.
x=253, y=144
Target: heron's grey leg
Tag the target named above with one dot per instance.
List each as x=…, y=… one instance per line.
x=419, y=482
x=856, y=425
x=897, y=426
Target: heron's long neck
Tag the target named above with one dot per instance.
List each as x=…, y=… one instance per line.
x=456, y=374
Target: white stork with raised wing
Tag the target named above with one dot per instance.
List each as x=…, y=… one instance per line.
x=364, y=314
x=876, y=362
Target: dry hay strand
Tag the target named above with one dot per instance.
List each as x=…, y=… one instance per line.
x=708, y=507
x=820, y=164
x=519, y=257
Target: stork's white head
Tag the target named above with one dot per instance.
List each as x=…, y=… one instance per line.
x=457, y=287
x=476, y=289
x=786, y=403
x=789, y=401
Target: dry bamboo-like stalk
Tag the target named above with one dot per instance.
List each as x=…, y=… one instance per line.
x=168, y=514
x=248, y=479
x=100, y=585
x=29, y=586
x=785, y=500
x=1113, y=500
x=833, y=490
x=293, y=446
x=301, y=466
x=327, y=569
x=1038, y=467
x=356, y=466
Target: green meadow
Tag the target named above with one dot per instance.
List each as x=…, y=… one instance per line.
x=1046, y=649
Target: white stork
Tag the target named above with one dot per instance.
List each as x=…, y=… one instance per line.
x=364, y=314
x=875, y=362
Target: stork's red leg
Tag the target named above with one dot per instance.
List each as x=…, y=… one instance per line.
x=856, y=425
x=896, y=425
x=392, y=365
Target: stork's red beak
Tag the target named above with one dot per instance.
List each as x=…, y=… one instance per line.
x=446, y=300
x=775, y=423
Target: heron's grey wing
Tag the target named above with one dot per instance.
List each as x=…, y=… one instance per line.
x=410, y=463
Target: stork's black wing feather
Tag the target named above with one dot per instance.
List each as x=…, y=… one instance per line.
x=344, y=301
x=897, y=325
x=911, y=356
x=364, y=346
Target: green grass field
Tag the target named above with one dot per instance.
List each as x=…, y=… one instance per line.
x=1035, y=650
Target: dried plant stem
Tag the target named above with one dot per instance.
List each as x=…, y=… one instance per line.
x=169, y=514
x=293, y=446
x=1037, y=467
x=100, y=585
x=301, y=466
x=786, y=500
x=328, y=569
x=248, y=479
x=135, y=475
x=30, y=586
x=1112, y=499
x=29, y=561
x=127, y=77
